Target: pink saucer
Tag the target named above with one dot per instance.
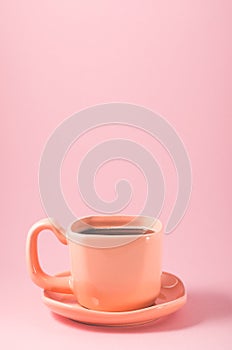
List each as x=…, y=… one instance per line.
x=171, y=298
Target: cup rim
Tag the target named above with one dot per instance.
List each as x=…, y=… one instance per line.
x=154, y=227
x=99, y=240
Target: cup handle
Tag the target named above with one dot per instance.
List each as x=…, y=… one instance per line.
x=38, y=276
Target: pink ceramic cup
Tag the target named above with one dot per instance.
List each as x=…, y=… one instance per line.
x=115, y=261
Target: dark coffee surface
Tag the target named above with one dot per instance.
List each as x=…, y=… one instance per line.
x=117, y=231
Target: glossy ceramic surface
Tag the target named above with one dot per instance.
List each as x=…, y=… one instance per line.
x=109, y=272
x=171, y=298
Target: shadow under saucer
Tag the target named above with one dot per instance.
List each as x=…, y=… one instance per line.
x=201, y=307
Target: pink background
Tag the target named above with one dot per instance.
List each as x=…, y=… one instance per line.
x=173, y=57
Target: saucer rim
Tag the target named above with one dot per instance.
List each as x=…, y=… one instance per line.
x=48, y=301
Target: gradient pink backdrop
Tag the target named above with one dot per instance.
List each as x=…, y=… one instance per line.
x=173, y=57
